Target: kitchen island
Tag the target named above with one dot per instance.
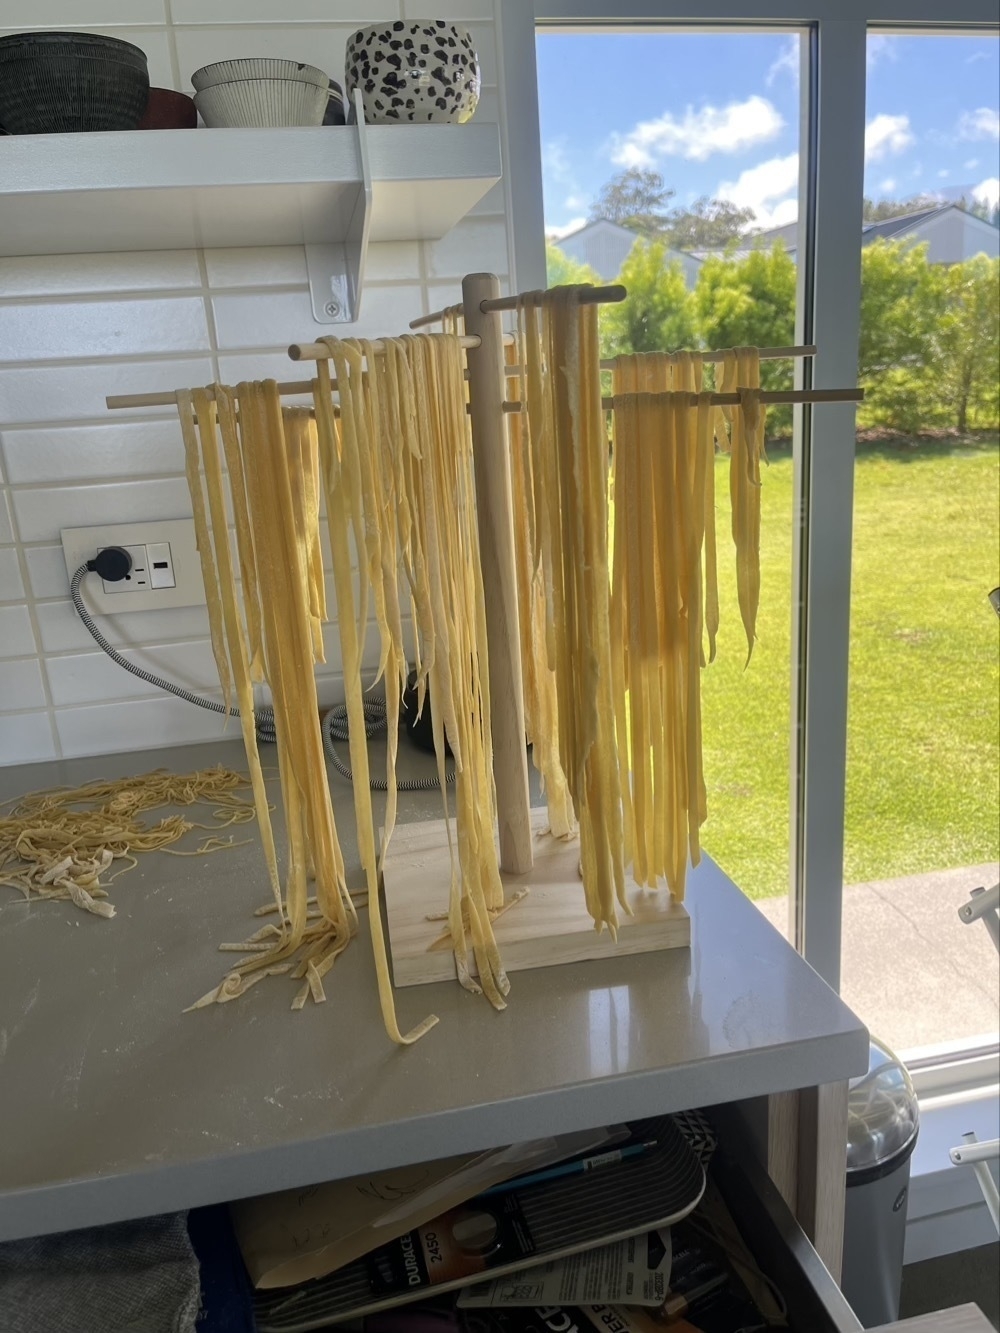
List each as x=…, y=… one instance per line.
x=115, y=1104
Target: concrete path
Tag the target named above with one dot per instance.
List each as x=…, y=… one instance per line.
x=913, y=971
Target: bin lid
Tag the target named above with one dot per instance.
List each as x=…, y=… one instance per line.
x=882, y=1112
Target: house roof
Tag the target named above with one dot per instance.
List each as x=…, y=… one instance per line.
x=787, y=235
x=872, y=231
x=604, y=225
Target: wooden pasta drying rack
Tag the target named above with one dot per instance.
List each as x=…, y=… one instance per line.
x=549, y=924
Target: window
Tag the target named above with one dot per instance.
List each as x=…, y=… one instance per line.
x=833, y=54
x=923, y=763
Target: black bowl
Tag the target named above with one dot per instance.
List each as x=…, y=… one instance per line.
x=68, y=82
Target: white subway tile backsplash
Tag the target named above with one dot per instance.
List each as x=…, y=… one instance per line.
x=95, y=678
x=300, y=11
x=139, y=725
x=61, y=275
x=47, y=571
x=257, y=266
x=66, y=13
x=449, y=9
x=477, y=245
x=320, y=46
x=70, y=393
x=90, y=453
x=38, y=332
x=489, y=106
x=392, y=259
x=62, y=630
x=66, y=461
x=274, y=365
x=43, y=512
x=17, y=638
x=11, y=583
x=21, y=685
x=485, y=43
x=25, y=738
x=286, y=317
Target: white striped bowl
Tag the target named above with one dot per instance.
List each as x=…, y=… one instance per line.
x=249, y=103
x=257, y=67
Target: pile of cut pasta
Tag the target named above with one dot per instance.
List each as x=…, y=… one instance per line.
x=62, y=843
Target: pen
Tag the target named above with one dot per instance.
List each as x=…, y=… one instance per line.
x=680, y=1303
x=571, y=1168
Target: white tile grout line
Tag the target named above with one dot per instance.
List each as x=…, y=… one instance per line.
x=29, y=603
x=175, y=64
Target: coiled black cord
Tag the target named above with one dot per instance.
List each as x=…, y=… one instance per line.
x=334, y=724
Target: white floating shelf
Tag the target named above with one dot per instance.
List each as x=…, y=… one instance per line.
x=181, y=189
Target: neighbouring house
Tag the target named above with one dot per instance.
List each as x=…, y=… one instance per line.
x=604, y=246
x=950, y=232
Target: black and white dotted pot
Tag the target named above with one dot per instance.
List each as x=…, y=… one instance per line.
x=422, y=71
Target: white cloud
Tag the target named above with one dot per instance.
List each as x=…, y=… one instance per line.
x=770, y=189
x=557, y=233
x=983, y=123
x=786, y=63
x=887, y=134
x=971, y=164
x=698, y=134
x=555, y=160
x=977, y=55
x=574, y=202
x=880, y=47
x=943, y=174
x=988, y=192
x=888, y=185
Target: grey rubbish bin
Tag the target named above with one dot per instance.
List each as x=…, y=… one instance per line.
x=882, y=1123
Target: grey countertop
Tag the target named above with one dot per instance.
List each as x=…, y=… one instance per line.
x=114, y=1104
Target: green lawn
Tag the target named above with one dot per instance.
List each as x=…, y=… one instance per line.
x=923, y=769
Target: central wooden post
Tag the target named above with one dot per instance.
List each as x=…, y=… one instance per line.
x=496, y=551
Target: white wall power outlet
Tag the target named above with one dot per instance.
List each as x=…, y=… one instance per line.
x=166, y=570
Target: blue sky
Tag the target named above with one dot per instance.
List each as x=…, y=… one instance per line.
x=717, y=114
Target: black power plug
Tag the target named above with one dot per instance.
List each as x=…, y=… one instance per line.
x=113, y=564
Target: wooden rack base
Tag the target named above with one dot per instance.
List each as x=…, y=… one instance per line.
x=549, y=925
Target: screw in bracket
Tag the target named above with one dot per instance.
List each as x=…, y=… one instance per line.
x=332, y=308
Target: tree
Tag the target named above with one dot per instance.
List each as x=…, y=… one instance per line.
x=902, y=304
x=982, y=208
x=883, y=209
x=750, y=302
x=709, y=224
x=658, y=314
x=561, y=270
x=635, y=198
x=966, y=343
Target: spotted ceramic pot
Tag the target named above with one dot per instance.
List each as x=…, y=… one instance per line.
x=424, y=70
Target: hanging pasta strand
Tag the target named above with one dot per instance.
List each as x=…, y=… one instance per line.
x=663, y=446
x=398, y=479
x=272, y=477
x=569, y=472
x=741, y=373
x=540, y=701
